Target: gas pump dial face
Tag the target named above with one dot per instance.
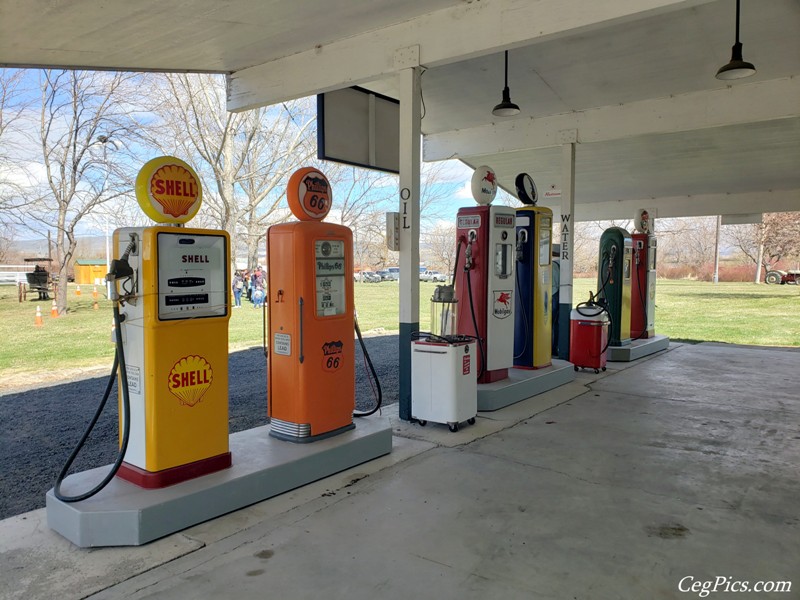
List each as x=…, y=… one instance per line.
x=526, y=189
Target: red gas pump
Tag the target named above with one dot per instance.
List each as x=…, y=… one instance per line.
x=485, y=280
x=643, y=282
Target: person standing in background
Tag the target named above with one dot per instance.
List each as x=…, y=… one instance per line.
x=238, y=287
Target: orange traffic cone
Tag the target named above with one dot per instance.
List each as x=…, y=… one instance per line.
x=54, y=310
x=38, y=320
x=78, y=291
x=94, y=293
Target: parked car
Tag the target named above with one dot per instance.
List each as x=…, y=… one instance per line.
x=385, y=275
x=432, y=276
x=394, y=272
x=368, y=277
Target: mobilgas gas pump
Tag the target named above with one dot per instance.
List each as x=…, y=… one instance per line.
x=643, y=284
x=310, y=313
x=532, y=320
x=614, y=282
x=171, y=307
x=485, y=284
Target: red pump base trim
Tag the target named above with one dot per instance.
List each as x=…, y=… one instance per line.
x=492, y=376
x=160, y=479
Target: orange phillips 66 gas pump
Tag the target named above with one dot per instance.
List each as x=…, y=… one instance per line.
x=311, y=359
x=171, y=286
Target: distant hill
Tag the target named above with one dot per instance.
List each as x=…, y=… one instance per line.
x=88, y=247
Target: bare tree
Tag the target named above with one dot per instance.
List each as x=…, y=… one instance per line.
x=6, y=241
x=248, y=156
x=369, y=241
x=79, y=113
x=777, y=237
x=687, y=241
x=440, y=246
x=13, y=102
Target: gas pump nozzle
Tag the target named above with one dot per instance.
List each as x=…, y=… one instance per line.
x=121, y=269
x=468, y=262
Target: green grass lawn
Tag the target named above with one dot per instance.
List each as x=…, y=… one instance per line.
x=737, y=313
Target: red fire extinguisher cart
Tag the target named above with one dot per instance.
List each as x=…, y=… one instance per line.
x=588, y=337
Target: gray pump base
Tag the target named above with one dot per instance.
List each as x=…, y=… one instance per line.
x=123, y=514
x=637, y=349
x=522, y=384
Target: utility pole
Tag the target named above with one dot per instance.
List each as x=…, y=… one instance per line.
x=716, y=251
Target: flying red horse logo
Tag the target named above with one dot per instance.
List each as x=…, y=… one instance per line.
x=502, y=304
x=490, y=177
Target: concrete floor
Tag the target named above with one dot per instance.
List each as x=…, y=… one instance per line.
x=686, y=463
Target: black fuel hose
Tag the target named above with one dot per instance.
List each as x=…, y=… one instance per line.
x=119, y=364
x=468, y=275
x=602, y=305
x=374, y=375
x=521, y=307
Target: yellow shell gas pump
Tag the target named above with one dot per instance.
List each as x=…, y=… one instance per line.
x=170, y=286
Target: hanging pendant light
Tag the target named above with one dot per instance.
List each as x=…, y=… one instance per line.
x=737, y=68
x=506, y=108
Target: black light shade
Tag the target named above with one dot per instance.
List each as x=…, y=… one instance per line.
x=737, y=67
x=506, y=108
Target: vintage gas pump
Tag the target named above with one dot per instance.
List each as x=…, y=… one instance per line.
x=485, y=284
x=311, y=359
x=175, y=333
x=643, y=284
x=170, y=285
x=532, y=320
x=614, y=282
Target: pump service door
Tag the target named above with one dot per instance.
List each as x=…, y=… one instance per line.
x=175, y=337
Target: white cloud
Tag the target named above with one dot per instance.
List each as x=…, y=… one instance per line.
x=465, y=191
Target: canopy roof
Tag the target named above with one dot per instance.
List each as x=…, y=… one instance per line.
x=631, y=80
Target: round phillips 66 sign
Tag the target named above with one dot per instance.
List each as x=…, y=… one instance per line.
x=309, y=194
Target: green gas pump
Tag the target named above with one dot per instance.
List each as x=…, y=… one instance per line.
x=614, y=282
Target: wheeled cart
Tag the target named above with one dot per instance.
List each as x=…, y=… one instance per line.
x=588, y=338
x=444, y=380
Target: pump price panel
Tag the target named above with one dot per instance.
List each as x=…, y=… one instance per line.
x=192, y=275
x=330, y=272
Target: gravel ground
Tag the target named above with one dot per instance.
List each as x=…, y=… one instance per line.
x=39, y=428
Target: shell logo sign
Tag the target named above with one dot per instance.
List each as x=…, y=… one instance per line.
x=190, y=379
x=168, y=190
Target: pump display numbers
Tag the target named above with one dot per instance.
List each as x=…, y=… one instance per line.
x=330, y=265
x=192, y=276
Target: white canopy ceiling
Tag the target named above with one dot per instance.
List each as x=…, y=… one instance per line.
x=631, y=80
